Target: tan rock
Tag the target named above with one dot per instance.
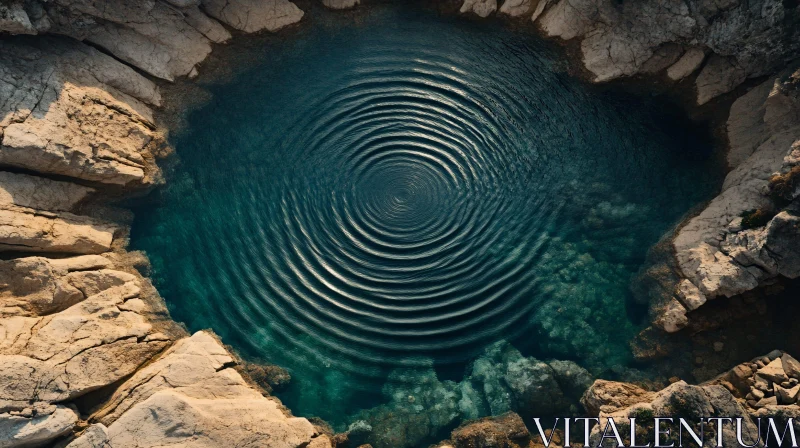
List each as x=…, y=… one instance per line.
x=687, y=64
x=690, y=295
x=61, y=356
x=36, y=286
x=773, y=372
x=673, y=317
x=48, y=424
x=481, y=8
x=790, y=366
x=517, y=8
x=28, y=230
x=786, y=396
x=40, y=193
x=720, y=75
x=70, y=113
x=193, y=386
x=609, y=396
x=254, y=15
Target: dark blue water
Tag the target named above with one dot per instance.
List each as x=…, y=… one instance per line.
x=376, y=193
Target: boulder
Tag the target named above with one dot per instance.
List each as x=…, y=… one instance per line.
x=70, y=112
x=28, y=429
x=192, y=396
x=691, y=60
x=254, y=15
x=517, y=8
x=481, y=8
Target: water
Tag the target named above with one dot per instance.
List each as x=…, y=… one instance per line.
x=406, y=188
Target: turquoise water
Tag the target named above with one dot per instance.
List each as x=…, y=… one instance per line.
x=405, y=189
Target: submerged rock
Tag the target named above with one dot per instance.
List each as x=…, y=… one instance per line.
x=499, y=381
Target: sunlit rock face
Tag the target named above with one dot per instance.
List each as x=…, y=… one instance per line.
x=405, y=192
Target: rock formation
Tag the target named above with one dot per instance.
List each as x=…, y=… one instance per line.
x=765, y=387
x=748, y=235
x=499, y=381
x=79, y=322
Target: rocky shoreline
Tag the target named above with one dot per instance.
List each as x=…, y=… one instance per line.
x=89, y=355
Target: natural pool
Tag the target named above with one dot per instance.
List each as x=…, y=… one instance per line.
x=404, y=189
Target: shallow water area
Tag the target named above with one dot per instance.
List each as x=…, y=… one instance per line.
x=404, y=191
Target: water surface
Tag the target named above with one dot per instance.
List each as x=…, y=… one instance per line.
x=407, y=188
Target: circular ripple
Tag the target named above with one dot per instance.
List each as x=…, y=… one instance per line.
x=381, y=240
x=380, y=198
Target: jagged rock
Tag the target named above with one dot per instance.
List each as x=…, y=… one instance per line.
x=32, y=217
x=341, y=4
x=786, y=396
x=70, y=112
x=610, y=396
x=26, y=429
x=687, y=64
x=773, y=372
x=95, y=436
x=254, y=15
x=14, y=19
x=790, y=366
x=173, y=39
x=767, y=401
x=481, y=8
x=621, y=38
x=517, y=8
x=192, y=396
x=36, y=286
x=572, y=379
x=673, y=317
x=690, y=295
x=61, y=356
x=663, y=57
x=504, y=431
x=677, y=400
x=720, y=75
x=721, y=259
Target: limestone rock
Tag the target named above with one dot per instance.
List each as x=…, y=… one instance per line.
x=673, y=318
x=172, y=40
x=687, y=64
x=790, y=366
x=481, y=8
x=773, y=372
x=746, y=128
x=59, y=357
x=341, y=4
x=70, y=112
x=254, y=15
x=690, y=295
x=39, y=193
x=37, y=286
x=720, y=75
x=192, y=396
x=28, y=230
x=517, y=8
x=786, y=396
x=95, y=436
x=503, y=431
x=610, y=396
x=725, y=260
x=624, y=38
x=25, y=429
